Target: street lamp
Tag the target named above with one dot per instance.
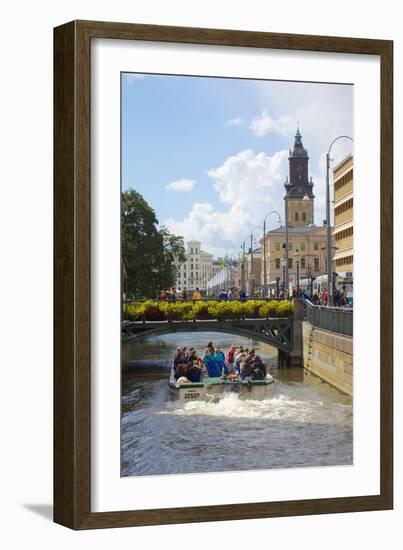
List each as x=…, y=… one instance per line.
x=328, y=228
x=252, y=285
x=283, y=265
x=297, y=257
x=243, y=263
x=264, y=246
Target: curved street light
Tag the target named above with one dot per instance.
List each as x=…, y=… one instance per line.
x=251, y=260
x=264, y=247
x=328, y=228
x=243, y=262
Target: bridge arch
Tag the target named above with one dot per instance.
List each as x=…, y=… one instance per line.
x=274, y=332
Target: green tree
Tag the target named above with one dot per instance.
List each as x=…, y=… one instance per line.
x=148, y=252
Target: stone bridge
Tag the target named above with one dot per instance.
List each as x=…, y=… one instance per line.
x=283, y=333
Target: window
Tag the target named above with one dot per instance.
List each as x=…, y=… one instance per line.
x=296, y=216
x=302, y=246
x=303, y=263
x=191, y=275
x=304, y=216
x=277, y=246
x=289, y=263
x=289, y=246
x=344, y=234
x=277, y=263
x=316, y=246
x=347, y=205
x=316, y=264
x=344, y=261
x=191, y=250
x=343, y=180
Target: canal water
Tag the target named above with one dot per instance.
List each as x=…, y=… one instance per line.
x=305, y=422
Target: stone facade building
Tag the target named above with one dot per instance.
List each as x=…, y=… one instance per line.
x=309, y=242
x=196, y=271
x=304, y=238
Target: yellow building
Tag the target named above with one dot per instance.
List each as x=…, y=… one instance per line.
x=343, y=216
x=308, y=242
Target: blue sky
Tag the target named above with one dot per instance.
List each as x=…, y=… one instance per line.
x=210, y=154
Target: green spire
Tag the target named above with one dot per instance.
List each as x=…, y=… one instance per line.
x=298, y=137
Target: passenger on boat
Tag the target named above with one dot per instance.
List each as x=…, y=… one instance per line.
x=246, y=369
x=219, y=356
x=211, y=347
x=212, y=367
x=194, y=372
x=231, y=359
x=181, y=369
x=238, y=359
x=258, y=363
x=193, y=357
x=259, y=370
x=181, y=363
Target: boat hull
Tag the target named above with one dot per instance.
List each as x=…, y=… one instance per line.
x=214, y=389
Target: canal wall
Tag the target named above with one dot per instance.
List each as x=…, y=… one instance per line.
x=329, y=356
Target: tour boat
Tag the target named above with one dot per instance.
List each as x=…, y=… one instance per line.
x=212, y=389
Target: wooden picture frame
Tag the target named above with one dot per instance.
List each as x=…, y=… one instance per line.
x=72, y=271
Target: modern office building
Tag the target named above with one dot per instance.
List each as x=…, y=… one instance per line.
x=343, y=216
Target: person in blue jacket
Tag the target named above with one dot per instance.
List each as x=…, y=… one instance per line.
x=219, y=356
x=212, y=367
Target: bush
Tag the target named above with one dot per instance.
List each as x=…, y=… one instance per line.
x=211, y=309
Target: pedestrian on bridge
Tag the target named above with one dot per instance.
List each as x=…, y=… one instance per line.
x=196, y=294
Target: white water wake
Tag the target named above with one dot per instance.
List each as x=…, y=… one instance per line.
x=280, y=407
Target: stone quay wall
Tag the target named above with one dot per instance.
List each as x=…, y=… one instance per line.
x=329, y=356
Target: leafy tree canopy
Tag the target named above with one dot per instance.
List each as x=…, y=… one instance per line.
x=148, y=251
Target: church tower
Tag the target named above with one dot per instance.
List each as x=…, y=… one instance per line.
x=299, y=187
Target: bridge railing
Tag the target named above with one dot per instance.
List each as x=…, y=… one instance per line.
x=335, y=319
x=204, y=299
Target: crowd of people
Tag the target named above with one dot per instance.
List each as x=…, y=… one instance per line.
x=322, y=298
x=238, y=362
x=173, y=295
x=339, y=298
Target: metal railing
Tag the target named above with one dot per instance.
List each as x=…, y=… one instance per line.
x=335, y=319
x=203, y=299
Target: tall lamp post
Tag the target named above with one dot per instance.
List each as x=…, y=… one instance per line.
x=286, y=244
x=264, y=247
x=297, y=257
x=243, y=263
x=328, y=226
x=252, y=271
x=283, y=263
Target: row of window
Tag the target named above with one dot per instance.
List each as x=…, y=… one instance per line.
x=302, y=263
x=344, y=234
x=343, y=180
x=344, y=261
x=344, y=207
x=278, y=246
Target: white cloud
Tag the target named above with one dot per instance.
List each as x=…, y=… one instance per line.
x=265, y=123
x=248, y=186
x=183, y=185
x=234, y=121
